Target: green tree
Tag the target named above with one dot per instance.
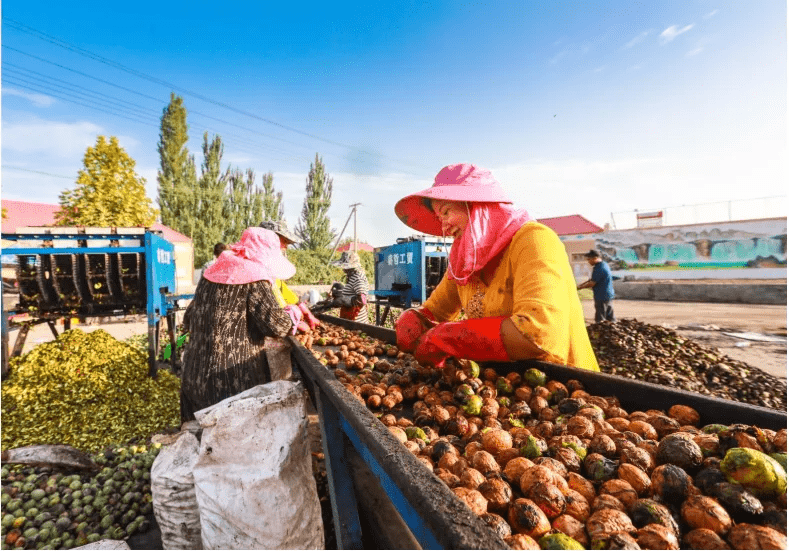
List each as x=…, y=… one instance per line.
x=273, y=209
x=209, y=222
x=108, y=191
x=176, y=176
x=314, y=226
x=243, y=203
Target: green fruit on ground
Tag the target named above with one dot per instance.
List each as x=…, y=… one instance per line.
x=755, y=471
x=38, y=494
x=780, y=457
x=559, y=541
x=534, y=377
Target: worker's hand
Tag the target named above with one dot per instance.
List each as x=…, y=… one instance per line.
x=427, y=352
x=311, y=320
x=411, y=325
x=296, y=316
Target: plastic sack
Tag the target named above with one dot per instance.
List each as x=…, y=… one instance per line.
x=173, y=491
x=253, y=477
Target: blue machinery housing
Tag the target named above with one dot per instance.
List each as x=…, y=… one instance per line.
x=407, y=272
x=417, y=506
x=93, y=275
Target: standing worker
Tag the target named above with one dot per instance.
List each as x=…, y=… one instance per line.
x=508, y=273
x=281, y=291
x=232, y=313
x=602, y=285
x=351, y=298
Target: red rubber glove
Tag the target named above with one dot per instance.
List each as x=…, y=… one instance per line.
x=410, y=326
x=474, y=339
x=311, y=320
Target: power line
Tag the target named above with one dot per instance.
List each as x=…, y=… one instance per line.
x=57, y=42
x=86, y=53
x=36, y=172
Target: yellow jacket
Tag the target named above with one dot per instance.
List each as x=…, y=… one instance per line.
x=284, y=295
x=535, y=287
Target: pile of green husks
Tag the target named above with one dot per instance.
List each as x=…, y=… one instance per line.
x=47, y=509
x=636, y=350
x=87, y=390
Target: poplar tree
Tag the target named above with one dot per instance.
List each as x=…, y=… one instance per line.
x=243, y=203
x=209, y=223
x=176, y=176
x=314, y=227
x=273, y=209
x=108, y=191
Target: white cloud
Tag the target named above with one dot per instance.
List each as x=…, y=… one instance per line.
x=673, y=32
x=711, y=14
x=58, y=139
x=39, y=100
x=694, y=51
x=638, y=39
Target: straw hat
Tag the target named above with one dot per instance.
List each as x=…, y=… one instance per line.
x=349, y=261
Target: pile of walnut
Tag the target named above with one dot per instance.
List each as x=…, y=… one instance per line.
x=542, y=461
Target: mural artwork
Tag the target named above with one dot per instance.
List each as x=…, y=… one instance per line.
x=749, y=243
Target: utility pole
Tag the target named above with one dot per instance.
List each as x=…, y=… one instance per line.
x=355, y=245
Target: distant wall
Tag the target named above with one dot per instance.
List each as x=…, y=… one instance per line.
x=747, y=243
x=677, y=291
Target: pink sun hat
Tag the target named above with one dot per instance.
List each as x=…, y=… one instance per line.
x=256, y=256
x=461, y=182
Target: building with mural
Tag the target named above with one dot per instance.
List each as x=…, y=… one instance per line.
x=731, y=244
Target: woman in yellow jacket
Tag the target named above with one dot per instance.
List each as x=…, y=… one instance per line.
x=508, y=273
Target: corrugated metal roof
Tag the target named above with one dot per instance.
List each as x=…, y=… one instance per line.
x=570, y=225
x=25, y=213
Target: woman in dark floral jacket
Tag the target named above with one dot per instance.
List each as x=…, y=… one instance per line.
x=233, y=311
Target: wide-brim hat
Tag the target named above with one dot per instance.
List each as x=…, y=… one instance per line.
x=461, y=182
x=257, y=256
x=349, y=260
x=280, y=228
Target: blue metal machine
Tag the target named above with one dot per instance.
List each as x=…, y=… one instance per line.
x=79, y=274
x=407, y=272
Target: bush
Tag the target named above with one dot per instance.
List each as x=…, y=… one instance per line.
x=312, y=267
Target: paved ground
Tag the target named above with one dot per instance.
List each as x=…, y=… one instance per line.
x=704, y=322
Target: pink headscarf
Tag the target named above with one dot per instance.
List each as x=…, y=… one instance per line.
x=490, y=229
x=492, y=222
x=256, y=256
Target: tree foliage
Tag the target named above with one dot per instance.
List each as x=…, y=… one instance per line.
x=243, y=204
x=273, y=209
x=176, y=176
x=108, y=191
x=314, y=227
x=312, y=267
x=210, y=221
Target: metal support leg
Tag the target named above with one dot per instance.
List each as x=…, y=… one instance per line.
x=67, y=323
x=19, y=344
x=343, y=499
x=385, y=316
x=4, y=372
x=153, y=347
x=52, y=327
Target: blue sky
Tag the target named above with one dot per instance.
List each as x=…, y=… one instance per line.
x=577, y=107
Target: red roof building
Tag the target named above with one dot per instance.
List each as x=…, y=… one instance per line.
x=574, y=224
x=22, y=214
x=359, y=246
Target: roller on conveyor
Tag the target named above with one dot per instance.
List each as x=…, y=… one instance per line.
x=109, y=272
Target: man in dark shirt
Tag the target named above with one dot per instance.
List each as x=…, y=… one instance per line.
x=602, y=286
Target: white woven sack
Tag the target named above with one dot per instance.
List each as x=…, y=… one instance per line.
x=253, y=477
x=173, y=491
